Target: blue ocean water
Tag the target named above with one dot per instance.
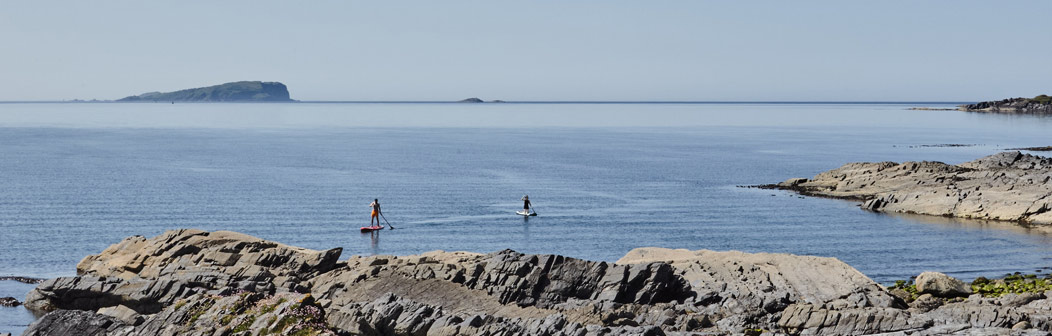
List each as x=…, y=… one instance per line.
x=605, y=178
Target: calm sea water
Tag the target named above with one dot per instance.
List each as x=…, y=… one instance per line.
x=605, y=178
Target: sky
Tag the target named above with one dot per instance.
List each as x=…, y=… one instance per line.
x=532, y=50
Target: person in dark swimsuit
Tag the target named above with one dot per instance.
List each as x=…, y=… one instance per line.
x=526, y=204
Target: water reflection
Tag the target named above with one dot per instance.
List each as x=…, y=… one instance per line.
x=526, y=229
x=980, y=224
x=374, y=241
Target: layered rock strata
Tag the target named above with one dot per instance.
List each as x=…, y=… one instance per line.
x=189, y=282
x=1008, y=186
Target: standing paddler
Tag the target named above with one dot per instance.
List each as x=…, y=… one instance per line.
x=376, y=212
x=526, y=204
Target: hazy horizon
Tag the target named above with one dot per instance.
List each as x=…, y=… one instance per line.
x=571, y=101
x=897, y=51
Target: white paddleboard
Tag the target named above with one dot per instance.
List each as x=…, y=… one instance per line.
x=524, y=213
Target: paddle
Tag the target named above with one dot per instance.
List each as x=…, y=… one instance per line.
x=385, y=221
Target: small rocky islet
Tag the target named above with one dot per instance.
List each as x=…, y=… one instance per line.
x=192, y=282
x=1040, y=105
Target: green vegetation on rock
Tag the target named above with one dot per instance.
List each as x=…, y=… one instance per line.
x=1014, y=284
x=1042, y=99
x=196, y=312
x=907, y=286
x=244, y=326
x=754, y=332
x=1011, y=284
x=305, y=317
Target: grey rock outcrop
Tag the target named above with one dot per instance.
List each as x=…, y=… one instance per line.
x=1008, y=186
x=9, y=302
x=535, y=280
x=1037, y=105
x=190, y=282
x=122, y=313
x=811, y=319
x=74, y=322
x=926, y=302
x=941, y=285
x=741, y=289
x=148, y=274
x=91, y=293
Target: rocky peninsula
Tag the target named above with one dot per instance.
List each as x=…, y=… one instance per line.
x=1008, y=186
x=225, y=283
x=245, y=91
x=1038, y=105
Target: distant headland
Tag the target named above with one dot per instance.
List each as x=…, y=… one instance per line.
x=1038, y=105
x=478, y=100
x=245, y=91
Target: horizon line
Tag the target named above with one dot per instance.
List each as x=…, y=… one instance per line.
x=503, y=102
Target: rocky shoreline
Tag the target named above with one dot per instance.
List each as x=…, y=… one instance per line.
x=1040, y=105
x=226, y=283
x=1008, y=186
x=22, y=279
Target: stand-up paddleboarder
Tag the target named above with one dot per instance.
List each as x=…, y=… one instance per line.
x=376, y=212
x=526, y=204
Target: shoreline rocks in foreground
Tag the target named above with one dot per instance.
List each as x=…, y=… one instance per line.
x=1008, y=186
x=226, y=283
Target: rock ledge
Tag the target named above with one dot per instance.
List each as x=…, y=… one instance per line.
x=1008, y=186
x=226, y=283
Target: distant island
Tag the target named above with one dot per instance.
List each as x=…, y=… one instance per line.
x=1038, y=105
x=245, y=91
x=478, y=100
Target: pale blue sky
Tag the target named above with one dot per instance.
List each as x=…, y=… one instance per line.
x=532, y=50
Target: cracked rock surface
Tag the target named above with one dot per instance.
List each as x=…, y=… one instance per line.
x=1008, y=186
x=189, y=282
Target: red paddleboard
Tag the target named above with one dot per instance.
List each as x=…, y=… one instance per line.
x=371, y=228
